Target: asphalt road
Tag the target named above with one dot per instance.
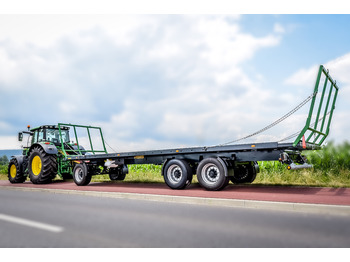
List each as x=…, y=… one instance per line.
x=41, y=219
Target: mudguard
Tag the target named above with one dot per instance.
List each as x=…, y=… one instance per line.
x=48, y=148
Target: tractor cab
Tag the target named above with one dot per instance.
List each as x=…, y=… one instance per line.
x=51, y=134
x=46, y=134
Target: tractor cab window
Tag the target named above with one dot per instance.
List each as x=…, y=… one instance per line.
x=38, y=136
x=50, y=135
x=53, y=135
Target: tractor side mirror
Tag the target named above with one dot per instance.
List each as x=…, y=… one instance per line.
x=20, y=136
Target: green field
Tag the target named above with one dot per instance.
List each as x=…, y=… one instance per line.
x=331, y=169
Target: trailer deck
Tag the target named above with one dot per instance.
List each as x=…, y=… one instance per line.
x=243, y=152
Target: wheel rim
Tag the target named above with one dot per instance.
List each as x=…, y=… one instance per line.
x=174, y=174
x=243, y=172
x=36, y=165
x=210, y=174
x=79, y=174
x=13, y=171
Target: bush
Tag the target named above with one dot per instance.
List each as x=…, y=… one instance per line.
x=4, y=160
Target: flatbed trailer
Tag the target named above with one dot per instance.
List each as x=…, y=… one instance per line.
x=214, y=166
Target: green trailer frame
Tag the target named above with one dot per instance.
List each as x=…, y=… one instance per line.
x=317, y=131
x=81, y=151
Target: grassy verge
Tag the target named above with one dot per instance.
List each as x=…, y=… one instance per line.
x=307, y=177
x=138, y=174
x=331, y=169
x=3, y=172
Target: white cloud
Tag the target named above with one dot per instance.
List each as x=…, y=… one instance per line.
x=9, y=142
x=172, y=79
x=303, y=77
x=278, y=28
x=339, y=69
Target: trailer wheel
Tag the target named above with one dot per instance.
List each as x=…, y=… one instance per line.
x=15, y=174
x=177, y=174
x=81, y=175
x=212, y=174
x=244, y=174
x=42, y=167
x=116, y=176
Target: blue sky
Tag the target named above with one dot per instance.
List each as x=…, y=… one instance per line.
x=158, y=81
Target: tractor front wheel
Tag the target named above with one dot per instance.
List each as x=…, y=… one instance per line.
x=42, y=167
x=15, y=173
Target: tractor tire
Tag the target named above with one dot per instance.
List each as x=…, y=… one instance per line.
x=212, y=174
x=81, y=175
x=15, y=173
x=42, y=167
x=177, y=174
x=244, y=174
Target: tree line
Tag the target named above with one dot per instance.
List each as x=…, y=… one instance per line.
x=4, y=160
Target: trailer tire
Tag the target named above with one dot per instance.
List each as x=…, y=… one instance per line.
x=212, y=174
x=116, y=174
x=244, y=174
x=15, y=174
x=42, y=167
x=177, y=174
x=81, y=175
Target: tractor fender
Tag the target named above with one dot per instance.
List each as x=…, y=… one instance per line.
x=48, y=148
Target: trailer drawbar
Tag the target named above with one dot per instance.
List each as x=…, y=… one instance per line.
x=50, y=151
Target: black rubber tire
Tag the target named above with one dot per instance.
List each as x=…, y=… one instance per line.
x=48, y=166
x=177, y=174
x=81, y=175
x=15, y=174
x=114, y=174
x=212, y=174
x=244, y=174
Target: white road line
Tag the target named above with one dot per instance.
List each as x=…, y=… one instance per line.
x=31, y=223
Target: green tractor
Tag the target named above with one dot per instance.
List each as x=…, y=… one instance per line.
x=45, y=155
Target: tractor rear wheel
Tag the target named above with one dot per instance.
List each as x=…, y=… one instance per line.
x=42, y=167
x=15, y=174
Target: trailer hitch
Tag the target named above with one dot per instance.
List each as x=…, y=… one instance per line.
x=294, y=160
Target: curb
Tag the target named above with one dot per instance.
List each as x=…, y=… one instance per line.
x=269, y=205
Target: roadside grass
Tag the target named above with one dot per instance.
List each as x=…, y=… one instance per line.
x=304, y=177
x=331, y=168
x=3, y=172
x=137, y=174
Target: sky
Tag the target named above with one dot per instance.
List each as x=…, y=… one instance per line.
x=163, y=81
